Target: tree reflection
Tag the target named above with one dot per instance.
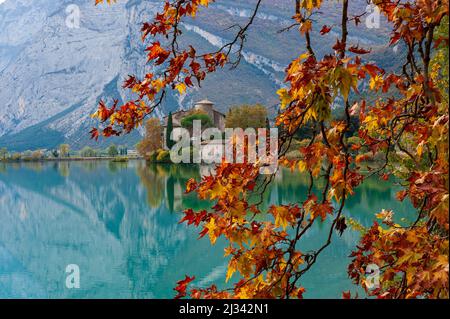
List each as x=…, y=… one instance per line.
x=167, y=182
x=114, y=167
x=153, y=179
x=64, y=169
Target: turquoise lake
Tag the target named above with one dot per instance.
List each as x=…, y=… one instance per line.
x=119, y=223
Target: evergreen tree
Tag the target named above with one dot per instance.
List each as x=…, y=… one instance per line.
x=169, y=142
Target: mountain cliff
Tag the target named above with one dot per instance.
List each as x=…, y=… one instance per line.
x=52, y=74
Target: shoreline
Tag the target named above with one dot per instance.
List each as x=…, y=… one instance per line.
x=72, y=159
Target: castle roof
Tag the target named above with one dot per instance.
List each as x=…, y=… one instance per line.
x=204, y=101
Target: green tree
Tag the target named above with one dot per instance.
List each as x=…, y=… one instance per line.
x=64, y=150
x=16, y=156
x=246, y=116
x=112, y=150
x=87, y=152
x=169, y=142
x=3, y=153
x=188, y=121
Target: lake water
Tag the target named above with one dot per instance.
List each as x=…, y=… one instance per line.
x=119, y=223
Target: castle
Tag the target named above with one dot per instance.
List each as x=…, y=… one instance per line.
x=204, y=106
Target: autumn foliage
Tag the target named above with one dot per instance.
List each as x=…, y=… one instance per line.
x=407, y=123
x=152, y=140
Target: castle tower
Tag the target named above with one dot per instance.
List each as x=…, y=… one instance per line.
x=205, y=106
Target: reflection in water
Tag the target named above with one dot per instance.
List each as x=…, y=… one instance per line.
x=153, y=181
x=119, y=223
x=63, y=168
x=35, y=166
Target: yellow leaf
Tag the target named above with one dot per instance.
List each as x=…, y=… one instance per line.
x=371, y=123
x=281, y=216
x=306, y=26
x=311, y=4
x=211, y=226
x=157, y=84
x=376, y=82
x=231, y=269
x=420, y=148
x=302, y=166
x=285, y=97
x=181, y=87
x=217, y=191
x=303, y=56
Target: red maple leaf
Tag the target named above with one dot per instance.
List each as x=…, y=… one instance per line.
x=182, y=285
x=358, y=50
x=94, y=133
x=325, y=30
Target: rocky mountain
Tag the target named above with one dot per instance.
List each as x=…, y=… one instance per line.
x=53, y=70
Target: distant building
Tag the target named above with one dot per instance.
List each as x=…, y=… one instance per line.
x=205, y=106
x=132, y=153
x=218, y=118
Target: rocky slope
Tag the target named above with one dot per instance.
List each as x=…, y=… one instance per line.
x=52, y=76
